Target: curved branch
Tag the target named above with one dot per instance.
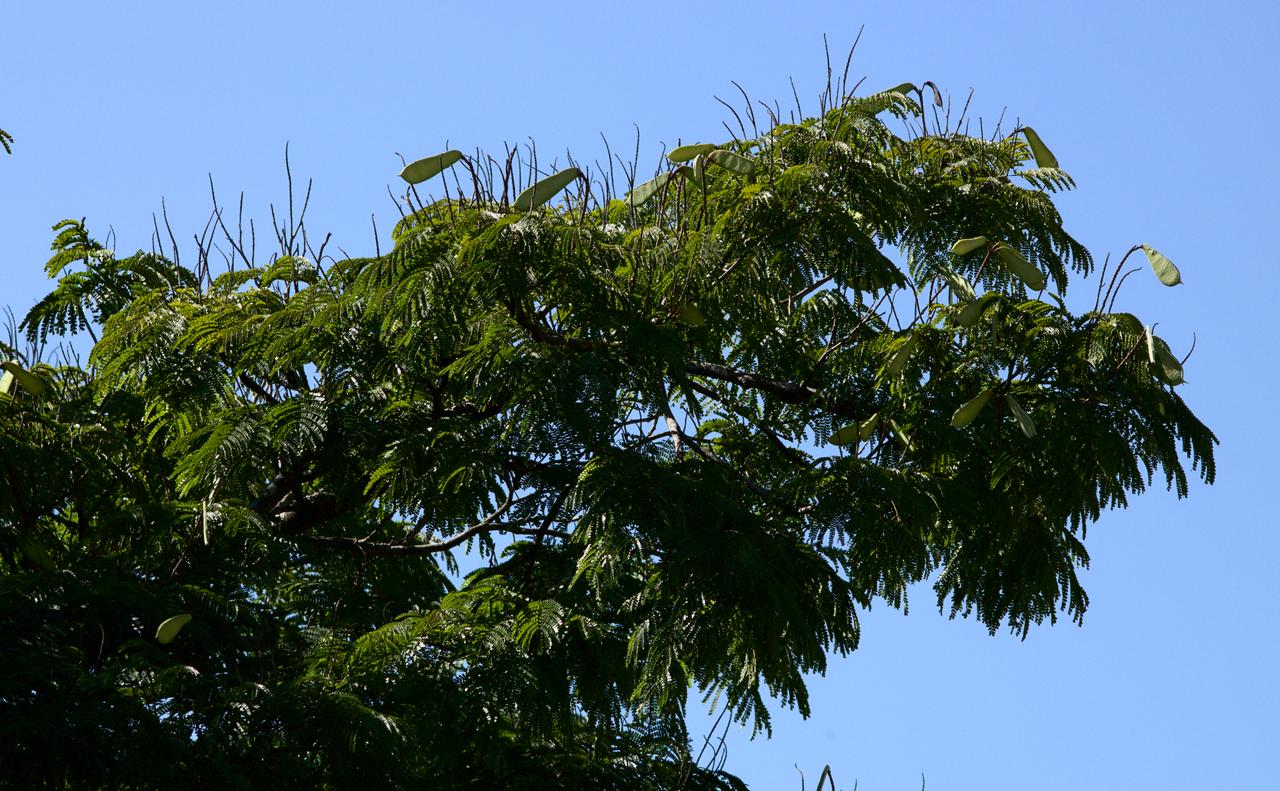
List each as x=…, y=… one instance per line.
x=383, y=549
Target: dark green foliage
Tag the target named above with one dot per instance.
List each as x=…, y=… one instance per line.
x=636, y=415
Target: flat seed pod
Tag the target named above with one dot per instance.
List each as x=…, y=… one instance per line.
x=1151, y=344
x=545, y=190
x=868, y=426
x=845, y=435
x=959, y=286
x=686, y=153
x=699, y=176
x=966, y=246
x=1044, y=157
x=168, y=630
x=967, y=411
x=1025, y=422
x=906, y=87
x=1025, y=271
x=643, y=193
x=902, y=436
x=898, y=363
x=1169, y=367
x=734, y=163
x=29, y=381
x=1164, y=268
x=974, y=310
x=937, y=94
x=427, y=167
x=691, y=315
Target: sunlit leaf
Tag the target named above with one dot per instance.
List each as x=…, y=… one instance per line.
x=427, y=167
x=543, y=191
x=1164, y=268
x=168, y=630
x=969, y=410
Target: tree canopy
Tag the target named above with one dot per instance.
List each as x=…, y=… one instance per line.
x=686, y=429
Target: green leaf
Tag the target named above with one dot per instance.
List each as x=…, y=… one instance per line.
x=1164, y=268
x=643, y=193
x=734, y=163
x=427, y=167
x=29, y=381
x=1020, y=266
x=1044, y=157
x=1025, y=422
x=545, y=190
x=35, y=553
x=967, y=411
x=974, y=310
x=966, y=246
x=686, y=153
x=898, y=363
x=168, y=630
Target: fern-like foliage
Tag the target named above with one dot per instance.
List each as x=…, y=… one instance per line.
x=687, y=439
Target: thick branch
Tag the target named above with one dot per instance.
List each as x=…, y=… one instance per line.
x=543, y=334
x=258, y=390
x=786, y=392
x=383, y=549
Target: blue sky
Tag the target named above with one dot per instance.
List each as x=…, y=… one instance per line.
x=1165, y=113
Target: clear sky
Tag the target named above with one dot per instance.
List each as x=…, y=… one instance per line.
x=1165, y=113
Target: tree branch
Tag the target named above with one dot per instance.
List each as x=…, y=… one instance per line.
x=383, y=549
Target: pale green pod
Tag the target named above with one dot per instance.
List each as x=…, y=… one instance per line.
x=427, y=167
